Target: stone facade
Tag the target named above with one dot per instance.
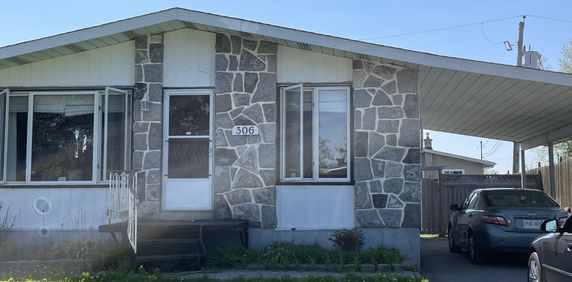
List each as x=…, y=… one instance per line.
x=148, y=125
x=245, y=166
x=387, y=168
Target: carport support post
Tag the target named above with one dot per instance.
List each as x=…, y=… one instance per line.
x=552, y=176
x=522, y=169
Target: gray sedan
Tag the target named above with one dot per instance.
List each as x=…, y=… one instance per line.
x=551, y=255
x=499, y=220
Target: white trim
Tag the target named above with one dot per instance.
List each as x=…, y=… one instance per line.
x=283, y=133
x=445, y=170
x=95, y=137
x=315, y=135
x=266, y=30
x=6, y=125
x=439, y=153
x=166, y=137
x=125, y=93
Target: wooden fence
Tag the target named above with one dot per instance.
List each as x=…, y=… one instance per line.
x=563, y=176
x=438, y=195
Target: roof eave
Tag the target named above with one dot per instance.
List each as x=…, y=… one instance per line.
x=240, y=25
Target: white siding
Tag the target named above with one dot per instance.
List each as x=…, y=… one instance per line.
x=67, y=208
x=189, y=58
x=112, y=65
x=295, y=65
x=315, y=207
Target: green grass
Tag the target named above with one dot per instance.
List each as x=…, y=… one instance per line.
x=285, y=255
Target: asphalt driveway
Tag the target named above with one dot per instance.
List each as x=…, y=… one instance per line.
x=439, y=265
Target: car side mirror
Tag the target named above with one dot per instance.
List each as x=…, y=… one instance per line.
x=550, y=225
x=454, y=207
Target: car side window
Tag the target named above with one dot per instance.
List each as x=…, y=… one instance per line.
x=465, y=204
x=473, y=201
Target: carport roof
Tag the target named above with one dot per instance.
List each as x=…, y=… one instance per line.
x=457, y=95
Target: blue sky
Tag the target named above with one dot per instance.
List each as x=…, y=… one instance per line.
x=374, y=21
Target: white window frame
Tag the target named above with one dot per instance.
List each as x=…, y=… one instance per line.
x=449, y=170
x=95, y=137
x=127, y=137
x=283, y=134
x=315, y=134
x=99, y=163
x=5, y=145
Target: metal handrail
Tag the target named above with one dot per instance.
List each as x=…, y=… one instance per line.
x=122, y=203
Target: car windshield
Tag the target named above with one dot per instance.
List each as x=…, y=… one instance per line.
x=516, y=198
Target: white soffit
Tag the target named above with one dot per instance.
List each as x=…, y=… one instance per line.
x=456, y=95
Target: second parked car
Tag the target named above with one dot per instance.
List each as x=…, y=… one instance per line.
x=499, y=220
x=551, y=255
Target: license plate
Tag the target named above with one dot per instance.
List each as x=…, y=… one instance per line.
x=531, y=223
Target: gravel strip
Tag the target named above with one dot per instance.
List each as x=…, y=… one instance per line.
x=232, y=274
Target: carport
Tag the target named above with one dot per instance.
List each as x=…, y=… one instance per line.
x=529, y=107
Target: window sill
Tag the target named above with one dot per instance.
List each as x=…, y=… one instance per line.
x=312, y=183
x=53, y=185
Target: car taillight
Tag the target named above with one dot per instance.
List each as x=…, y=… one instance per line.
x=493, y=219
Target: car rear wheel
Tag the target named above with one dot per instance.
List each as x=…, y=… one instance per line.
x=475, y=255
x=452, y=247
x=534, y=268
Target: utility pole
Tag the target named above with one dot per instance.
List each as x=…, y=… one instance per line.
x=519, y=55
x=481, y=150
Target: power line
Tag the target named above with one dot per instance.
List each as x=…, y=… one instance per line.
x=550, y=19
x=441, y=28
x=487, y=38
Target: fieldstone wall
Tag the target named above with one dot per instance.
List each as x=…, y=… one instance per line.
x=147, y=125
x=387, y=168
x=245, y=172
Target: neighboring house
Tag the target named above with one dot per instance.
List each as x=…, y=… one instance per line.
x=221, y=118
x=434, y=162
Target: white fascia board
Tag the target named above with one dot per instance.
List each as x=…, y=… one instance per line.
x=376, y=50
x=554, y=136
x=439, y=153
x=397, y=54
x=86, y=34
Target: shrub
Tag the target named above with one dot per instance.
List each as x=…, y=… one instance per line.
x=351, y=240
x=6, y=224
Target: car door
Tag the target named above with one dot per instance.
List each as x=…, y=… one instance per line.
x=463, y=219
x=563, y=255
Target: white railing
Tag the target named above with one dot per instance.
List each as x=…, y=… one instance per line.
x=122, y=200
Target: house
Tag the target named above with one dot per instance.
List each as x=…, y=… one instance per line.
x=222, y=118
x=435, y=162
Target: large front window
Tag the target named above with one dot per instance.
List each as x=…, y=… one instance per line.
x=315, y=133
x=76, y=136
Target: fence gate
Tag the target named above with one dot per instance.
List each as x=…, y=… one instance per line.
x=438, y=195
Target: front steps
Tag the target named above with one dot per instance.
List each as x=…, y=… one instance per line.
x=180, y=242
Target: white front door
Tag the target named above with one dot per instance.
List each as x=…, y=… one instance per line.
x=187, y=151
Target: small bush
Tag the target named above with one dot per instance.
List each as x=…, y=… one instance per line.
x=6, y=224
x=348, y=240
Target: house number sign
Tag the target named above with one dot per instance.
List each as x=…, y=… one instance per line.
x=245, y=130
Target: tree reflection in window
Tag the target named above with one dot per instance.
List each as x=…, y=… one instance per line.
x=62, y=138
